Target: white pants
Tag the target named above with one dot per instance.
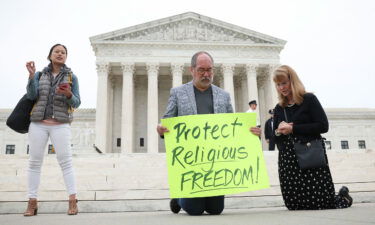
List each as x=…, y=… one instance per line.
x=60, y=137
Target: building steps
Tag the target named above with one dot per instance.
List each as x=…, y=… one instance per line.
x=138, y=182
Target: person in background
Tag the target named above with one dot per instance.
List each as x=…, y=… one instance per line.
x=269, y=132
x=252, y=108
x=56, y=92
x=305, y=120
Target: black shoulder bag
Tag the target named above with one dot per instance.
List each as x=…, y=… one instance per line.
x=19, y=119
x=310, y=154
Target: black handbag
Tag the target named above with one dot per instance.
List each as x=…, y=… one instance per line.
x=19, y=119
x=309, y=154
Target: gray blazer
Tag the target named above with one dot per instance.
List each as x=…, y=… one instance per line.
x=182, y=101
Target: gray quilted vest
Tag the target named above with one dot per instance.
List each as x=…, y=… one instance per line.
x=61, y=111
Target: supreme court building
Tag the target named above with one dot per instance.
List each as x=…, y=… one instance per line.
x=137, y=66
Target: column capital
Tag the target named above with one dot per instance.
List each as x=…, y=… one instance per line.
x=227, y=68
x=102, y=67
x=152, y=68
x=177, y=68
x=272, y=67
x=251, y=68
x=228, y=72
x=127, y=67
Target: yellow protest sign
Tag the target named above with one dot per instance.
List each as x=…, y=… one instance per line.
x=213, y=154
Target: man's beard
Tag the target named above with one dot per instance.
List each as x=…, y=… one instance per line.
x=206, y=80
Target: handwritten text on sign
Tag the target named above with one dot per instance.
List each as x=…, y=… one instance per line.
x=214, y=154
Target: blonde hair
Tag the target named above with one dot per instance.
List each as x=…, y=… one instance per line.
x=283, y=73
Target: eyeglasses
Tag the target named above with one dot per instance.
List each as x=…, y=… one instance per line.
x=202, y=71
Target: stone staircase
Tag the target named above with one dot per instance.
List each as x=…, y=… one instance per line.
x=138, y=182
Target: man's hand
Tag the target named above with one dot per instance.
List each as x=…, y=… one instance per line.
x=256, y=131
x=161, y=130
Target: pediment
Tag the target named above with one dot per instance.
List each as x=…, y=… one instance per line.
x=187, y=27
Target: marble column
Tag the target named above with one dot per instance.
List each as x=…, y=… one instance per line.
x=127, y=112
x=221, y=81
x=228, y=71
x=252, y=87
x=177, y=69
x=102, y=107
x=262, y=107
x=111, y=95
x=244, y=101
x=152, y=108
x=273, y=92
x=238, y=90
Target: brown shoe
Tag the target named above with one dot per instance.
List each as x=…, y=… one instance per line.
x=32, y=208
x=73, y=208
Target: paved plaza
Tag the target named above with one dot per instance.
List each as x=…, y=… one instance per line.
x=358, y=214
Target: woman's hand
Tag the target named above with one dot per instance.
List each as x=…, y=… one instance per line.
x=256, y=131
x=285, y=128
x=30, y=66
x=65, y=90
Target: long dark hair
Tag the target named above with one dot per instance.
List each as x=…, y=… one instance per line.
x=50, y=51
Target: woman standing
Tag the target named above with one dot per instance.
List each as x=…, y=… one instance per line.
x=57, y=94
x=300, y=117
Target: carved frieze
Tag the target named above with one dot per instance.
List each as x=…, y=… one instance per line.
x=188, y=30
x=121, y=51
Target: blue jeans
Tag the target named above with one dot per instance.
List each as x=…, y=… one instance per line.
x=196, y=206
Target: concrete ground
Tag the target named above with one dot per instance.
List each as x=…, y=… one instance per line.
x=358, y=214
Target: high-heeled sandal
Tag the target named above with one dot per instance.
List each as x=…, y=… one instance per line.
x=73, y=208
x=32, y=208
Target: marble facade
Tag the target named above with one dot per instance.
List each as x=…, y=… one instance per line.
x=137, y=66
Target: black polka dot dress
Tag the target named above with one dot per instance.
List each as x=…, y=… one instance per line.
x=309, y=189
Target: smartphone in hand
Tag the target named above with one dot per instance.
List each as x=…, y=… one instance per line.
x=64, y=86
